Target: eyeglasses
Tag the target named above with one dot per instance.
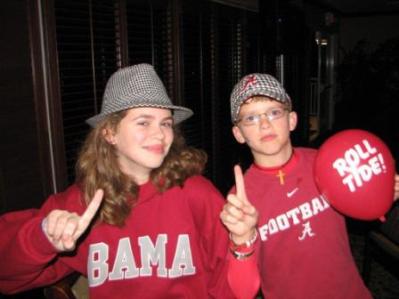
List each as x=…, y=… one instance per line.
x=254, y=119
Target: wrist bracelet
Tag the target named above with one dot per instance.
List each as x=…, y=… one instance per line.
x=242, y=255
x=245, y=245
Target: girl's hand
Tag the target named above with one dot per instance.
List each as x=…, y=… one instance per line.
x=63, y=228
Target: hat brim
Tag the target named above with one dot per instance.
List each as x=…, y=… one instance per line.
x=179, y=113
x=283, y=98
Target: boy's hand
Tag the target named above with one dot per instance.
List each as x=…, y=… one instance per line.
x=238, y=214
x=63, y=228
x=396, y=187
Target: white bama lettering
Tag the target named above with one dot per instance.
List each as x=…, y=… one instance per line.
x=183, y=260
x=124, y=265
x=153, y=255
x=97, y=265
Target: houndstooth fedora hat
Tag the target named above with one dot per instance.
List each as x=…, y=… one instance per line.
x=256, y=85
x=137, y=86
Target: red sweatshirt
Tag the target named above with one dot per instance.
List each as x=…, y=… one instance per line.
x=304, y=251
x=172, y=246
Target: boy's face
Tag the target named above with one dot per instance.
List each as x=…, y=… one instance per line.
x=265, y=125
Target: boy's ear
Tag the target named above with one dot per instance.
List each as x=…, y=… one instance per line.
x=237, y=135
x=293, y=120
x=109, y=135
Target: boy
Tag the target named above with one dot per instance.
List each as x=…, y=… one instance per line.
x=303, y=250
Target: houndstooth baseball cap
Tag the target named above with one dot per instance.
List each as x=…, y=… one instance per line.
x=256, y=85
x=137, y=86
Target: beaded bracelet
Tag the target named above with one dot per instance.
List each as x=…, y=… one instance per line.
x=245, y=246
x=242, y=255
x=245, y=250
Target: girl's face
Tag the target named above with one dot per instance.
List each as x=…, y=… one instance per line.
x=142, y=140
x=268, y=139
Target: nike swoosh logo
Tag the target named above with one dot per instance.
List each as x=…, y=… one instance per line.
x=290, y=194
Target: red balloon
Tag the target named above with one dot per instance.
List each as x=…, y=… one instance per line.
x=354, y=170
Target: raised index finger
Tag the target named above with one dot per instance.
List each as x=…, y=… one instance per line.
x=90, y=212
x=240, y=186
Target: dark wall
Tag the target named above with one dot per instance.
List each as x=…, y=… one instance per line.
x=20, y=172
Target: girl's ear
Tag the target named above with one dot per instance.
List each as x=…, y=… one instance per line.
x=238, y=135
x=108, y=135
x=293, y=120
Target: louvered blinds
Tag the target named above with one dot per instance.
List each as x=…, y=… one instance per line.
x=190, y=26
x=226, y=65
x=199, y=49
x=86, y=45
x=140, y=31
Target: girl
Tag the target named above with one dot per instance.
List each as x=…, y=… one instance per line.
x=140, y=221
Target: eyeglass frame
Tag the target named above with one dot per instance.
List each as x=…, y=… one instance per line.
x=269, y=117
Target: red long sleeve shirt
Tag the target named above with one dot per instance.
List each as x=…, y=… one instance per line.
x=304, y=251
x=173, y=245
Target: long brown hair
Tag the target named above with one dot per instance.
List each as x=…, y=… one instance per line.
x=98, y=167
